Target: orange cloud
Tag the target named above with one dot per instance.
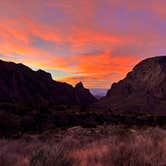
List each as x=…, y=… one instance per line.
x=101, y=70
x=96, y=41
x=97, y=64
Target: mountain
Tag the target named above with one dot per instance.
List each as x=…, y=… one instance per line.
x=142, y=90
x=20, y=84
x=83, y=95
x=33, y=101
x=98, y=92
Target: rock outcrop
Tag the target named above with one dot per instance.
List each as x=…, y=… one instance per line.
x=143, y=89
x=83, y=95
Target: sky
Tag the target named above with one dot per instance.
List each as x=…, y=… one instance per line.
x=93, y=41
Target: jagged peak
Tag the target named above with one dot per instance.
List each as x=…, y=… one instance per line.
x=79, y=85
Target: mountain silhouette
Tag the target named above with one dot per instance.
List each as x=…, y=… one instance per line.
x=142, y=90
x=141, y=94
x=83, y=94
x=20, y=84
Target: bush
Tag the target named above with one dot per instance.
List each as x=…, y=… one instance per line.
x=56, y=155
x=139, y=147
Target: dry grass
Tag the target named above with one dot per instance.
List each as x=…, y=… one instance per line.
x=124, y=147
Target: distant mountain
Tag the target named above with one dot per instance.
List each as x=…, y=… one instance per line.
x=20, y=84
x=98, y=92
x=143, y=89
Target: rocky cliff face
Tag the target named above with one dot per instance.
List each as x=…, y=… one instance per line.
x=143, y=89
x=20, y=84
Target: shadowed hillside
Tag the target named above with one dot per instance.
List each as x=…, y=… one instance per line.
x=143, y=90
x=20, y=84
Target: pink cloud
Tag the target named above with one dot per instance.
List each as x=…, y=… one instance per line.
x=97, y=46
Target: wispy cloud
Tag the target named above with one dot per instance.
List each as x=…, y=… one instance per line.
x=94, y=41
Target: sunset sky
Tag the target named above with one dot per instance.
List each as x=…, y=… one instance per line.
x=93, y=41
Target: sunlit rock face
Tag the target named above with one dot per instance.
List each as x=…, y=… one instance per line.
x=143, y=89
x=20, y=84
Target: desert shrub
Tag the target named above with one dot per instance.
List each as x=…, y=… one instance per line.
x=49, y=158
x=13, y=153
x=28, y=123
x=121, y=131
x=9, y=124
x=83, y=108
x=52, y=155
x=60, y=107
x=7, y=106
x=142, y=151
x=138, y=147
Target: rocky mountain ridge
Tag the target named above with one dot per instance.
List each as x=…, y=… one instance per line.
x=20, y=84
x=143, y=89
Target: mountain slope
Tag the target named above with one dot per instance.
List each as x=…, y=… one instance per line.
x=20, y=84
x=143, y=89
x=83, y=95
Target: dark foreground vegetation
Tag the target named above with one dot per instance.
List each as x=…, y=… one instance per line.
x=64, y=135
x=15, y=120
x=101, y=146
